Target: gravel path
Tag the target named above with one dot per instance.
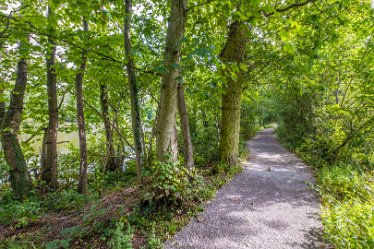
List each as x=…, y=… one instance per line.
x=268, y=206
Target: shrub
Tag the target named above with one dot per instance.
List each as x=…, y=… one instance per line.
x=170, y=185
x=348, y=214
x=350, y=224
x=344, y=184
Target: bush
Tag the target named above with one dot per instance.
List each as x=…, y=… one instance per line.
x=350, y=224
x=68, y=164
x=344, y=184
x=169, y=185
x=348, y=214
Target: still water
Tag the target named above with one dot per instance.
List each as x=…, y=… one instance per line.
x=64, y=140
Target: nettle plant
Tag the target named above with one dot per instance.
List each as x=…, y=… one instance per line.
x=169, y=184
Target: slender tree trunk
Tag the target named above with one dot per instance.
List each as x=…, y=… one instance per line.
x=110, y=164
x=233, y=52
x=151, y=155
x=135, y=112
x=145, y=155
x=19, y=177
x=49, y=173
x=183, y=115
x=43, y=153
x=166, y=141
x=2, y=106
x=2, y=103
x=83, y=181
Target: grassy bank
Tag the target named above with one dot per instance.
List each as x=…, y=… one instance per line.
x=124, y=215
x=347, y=195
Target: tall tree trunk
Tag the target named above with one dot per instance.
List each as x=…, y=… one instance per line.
x=166, y=141
x=111, y=162
x=233, y=52
x=19, y=177
x=151, y=155
x=43, y=153
x=183, y=115
x=2, y=103
x=135, y=112
x=83, y=181
x=49, y=173
x=2, y=106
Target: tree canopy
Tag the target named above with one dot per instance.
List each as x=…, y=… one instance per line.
x=93, y=89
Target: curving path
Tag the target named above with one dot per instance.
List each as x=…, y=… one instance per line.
x=268, y=206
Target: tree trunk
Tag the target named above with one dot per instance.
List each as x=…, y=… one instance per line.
x=49, y=173
x=151, y=155
x=233, y=52
x=19, y=177
x=43, y=153
x=135, y=112
x=111, y=162
x=166, y=141
x=2, y=103
x=183, y=115
x=2, y=106
x=83, y=181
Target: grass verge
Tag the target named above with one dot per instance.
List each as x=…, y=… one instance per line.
x=347, y=196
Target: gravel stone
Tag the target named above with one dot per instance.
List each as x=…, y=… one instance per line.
x=270, y=206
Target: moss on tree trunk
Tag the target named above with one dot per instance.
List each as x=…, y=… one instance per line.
x=232, y=54
x=19, y=177
x=166, y=141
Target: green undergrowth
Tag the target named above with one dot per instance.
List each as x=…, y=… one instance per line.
x=347, y=195
x=171, y=195
x=348, y=206
x=166, y=200
x=20, y=214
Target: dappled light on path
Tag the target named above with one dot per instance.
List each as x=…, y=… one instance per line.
x=270, y=205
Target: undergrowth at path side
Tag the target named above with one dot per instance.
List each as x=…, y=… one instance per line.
x=171, y=195
x=347, y=195
x=134, y=215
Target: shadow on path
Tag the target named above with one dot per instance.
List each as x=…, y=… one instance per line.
x=268, y=206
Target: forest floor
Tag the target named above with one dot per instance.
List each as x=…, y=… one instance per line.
x=270, y=205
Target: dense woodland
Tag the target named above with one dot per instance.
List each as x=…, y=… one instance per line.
x=161, y=97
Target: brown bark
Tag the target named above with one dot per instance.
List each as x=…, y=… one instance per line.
x=49, y=173
x=135, y=112
x=43, y=153
x=2, y=103
x=83, y=178
x=166, y=141
x=185, y=127
x=19, y=177
x=233, y=52
x=2, y=107
x=111, y=162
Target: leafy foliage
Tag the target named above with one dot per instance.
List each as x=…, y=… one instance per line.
x=348, y=207
x=310, y=69
x=20, y=214
x=170, y=185
x=121, y=236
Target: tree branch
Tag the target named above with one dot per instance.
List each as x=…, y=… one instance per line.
x=280, y=10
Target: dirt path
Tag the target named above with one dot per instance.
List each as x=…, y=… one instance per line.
x=268, y=206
